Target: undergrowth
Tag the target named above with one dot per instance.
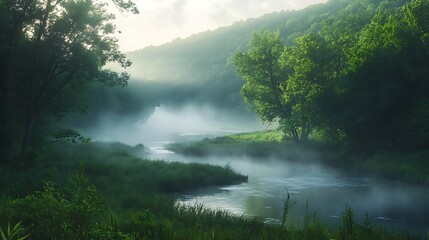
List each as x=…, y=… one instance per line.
x=97, y=192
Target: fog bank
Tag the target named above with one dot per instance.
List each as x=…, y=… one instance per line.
x=169, y=123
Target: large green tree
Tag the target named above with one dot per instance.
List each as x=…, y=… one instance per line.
x=311, y=61
x=50, y=50
x=359, y=79
x=264, y=77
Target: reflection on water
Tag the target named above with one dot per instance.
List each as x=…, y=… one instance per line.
x=327, y=192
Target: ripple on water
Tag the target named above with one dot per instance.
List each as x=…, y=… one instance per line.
x=160, y=150
x=240, y=187
x=303, y=182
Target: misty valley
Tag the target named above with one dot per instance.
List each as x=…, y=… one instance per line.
x=310, y=123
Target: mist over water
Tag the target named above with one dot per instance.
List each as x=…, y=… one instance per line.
x=327, y=191
x=168, y=123
x=320, y=192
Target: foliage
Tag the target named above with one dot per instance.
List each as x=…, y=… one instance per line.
x=122, y=178
x=357, y=80
x=13, y=233
x=346, y=230
x=286, y=208
x=49, y=51
x=260, y=136
x=263, y=76
x=119, y=196
x=201, y=69
x=161, y=218
x=68, y=135
x=51, y=213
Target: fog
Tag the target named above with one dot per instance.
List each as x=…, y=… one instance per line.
x=327, y=191
x=319, y=192
x=167, y=123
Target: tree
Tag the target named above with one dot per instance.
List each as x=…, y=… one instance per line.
x=285, y=83
x=311, y=60
x=264, y=77
x=58, y=47
x=386, y=82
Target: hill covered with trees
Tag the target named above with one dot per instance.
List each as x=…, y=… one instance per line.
x=352, y=71
x=349, y=77
x=199, y=68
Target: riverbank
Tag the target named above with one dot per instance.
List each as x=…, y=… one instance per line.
x=410, y=167
x=104, y=191
x=114, y=168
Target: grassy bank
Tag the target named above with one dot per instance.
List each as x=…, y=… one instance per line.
x=103, y=191
x=77, y=212
x=120, y=177
x=412, y=167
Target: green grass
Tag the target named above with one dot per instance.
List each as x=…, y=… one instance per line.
x=257, y=144
x=120, y=177
x=408, y=166
x=260, y=136
x=59, y=214
x=115, y=195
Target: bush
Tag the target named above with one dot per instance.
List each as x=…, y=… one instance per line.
x=51, y=214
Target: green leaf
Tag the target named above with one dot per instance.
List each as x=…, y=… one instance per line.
x=2, y=234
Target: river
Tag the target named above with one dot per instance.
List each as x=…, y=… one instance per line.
x=316, y=190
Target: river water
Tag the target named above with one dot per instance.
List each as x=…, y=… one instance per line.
x=316, y=190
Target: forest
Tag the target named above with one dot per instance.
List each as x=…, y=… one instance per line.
x=357, y=81
x=346, y=79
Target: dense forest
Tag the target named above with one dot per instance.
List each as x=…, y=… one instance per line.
x=350, y=72
x=358, y=81
x=341, y=78
x=50, y=52
x=200, y=70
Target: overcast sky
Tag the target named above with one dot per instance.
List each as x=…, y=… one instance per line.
x=161, y=21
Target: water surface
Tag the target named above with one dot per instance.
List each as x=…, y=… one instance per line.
x=318, y=191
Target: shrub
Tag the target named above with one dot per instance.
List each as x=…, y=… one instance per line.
x=51, y=214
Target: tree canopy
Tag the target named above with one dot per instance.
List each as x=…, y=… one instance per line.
x=355, y=80
x=50, y=50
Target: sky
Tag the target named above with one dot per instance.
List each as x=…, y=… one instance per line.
x=162, y=21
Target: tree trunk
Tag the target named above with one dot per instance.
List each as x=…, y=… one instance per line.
x=295, y=135
x=27, y=132
x=32, y=108
x=305, y=132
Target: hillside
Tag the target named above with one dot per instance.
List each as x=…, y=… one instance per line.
x=198, y=68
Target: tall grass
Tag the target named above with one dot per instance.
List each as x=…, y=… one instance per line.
x=55, y=214
x=120, y=177
x=115, y=195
